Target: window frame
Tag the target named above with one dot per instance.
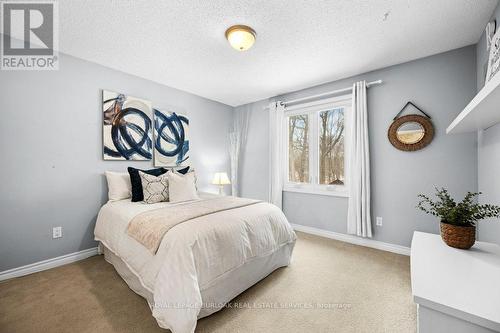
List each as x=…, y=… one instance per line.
x=313, y=110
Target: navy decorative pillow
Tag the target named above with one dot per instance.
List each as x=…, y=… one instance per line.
x=135, y=180
x=183, y=170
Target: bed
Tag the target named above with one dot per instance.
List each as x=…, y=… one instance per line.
x=200, y=263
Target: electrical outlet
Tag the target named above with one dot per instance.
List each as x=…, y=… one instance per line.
x=379, y=221
x=57, y=232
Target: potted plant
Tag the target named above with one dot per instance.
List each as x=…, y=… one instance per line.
x=458, y=220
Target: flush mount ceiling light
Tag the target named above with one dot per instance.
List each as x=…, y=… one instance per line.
x=241, y=37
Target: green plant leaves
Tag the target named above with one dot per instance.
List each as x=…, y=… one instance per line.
x=465, y=213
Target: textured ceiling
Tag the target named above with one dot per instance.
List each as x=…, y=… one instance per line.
x=300, y=43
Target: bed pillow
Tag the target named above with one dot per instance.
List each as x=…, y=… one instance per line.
x=135, y=180
x=182, y=187
x=119, y=186
x=154, y=188
x=182, y=171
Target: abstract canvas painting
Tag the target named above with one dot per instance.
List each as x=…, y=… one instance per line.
x=171, y=138
x=126, y=127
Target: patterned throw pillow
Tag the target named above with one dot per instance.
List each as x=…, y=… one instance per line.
x=155, y=188
x=135, y=180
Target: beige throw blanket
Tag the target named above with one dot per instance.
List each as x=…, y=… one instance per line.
x=148, y=228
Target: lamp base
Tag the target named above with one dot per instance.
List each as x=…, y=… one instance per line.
x=221, y=189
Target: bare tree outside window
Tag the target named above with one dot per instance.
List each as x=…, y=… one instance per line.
x=298, y=149
x=318, y=143
x=331, y=147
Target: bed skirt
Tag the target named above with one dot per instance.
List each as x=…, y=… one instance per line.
x=224, y=288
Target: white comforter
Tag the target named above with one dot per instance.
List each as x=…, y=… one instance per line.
x=193, y=254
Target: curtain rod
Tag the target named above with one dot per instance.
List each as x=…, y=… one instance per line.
x=369, y=84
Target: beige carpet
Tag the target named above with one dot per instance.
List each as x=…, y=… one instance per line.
x=329, y=287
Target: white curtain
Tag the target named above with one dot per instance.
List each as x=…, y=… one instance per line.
x=237, y=143
x=276, y=152
x=359, y=212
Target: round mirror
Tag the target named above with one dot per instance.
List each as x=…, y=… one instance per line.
x=411, y=132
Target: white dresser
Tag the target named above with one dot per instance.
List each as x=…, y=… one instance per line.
x=456, y=290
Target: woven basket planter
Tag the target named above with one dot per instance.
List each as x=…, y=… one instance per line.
x=457, y=236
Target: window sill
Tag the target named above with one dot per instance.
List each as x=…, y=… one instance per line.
x=331, y=193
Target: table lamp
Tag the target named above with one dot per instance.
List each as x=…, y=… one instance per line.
x=221, y=179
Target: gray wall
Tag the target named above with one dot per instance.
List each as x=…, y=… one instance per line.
x=52, y=167
x=488, y=152
x=442, y=85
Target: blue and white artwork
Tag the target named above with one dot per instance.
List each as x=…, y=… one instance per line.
x=171, y=138
x=126, y=127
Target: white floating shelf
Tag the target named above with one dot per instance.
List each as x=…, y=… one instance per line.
x=482, y=112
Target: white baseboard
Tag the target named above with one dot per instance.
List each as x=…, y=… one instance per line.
x=399, y=249
x=47, y=264
x=80, y=255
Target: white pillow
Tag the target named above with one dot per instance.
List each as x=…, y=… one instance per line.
x=181, y=187
x=119, y=186
x=155, y=188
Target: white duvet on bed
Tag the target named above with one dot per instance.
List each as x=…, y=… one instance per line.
x=193, y=255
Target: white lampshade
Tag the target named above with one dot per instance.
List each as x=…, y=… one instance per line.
x=221, y=178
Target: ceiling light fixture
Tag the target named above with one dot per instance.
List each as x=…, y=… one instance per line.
x=241, y=37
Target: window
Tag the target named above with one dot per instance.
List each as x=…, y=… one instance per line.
x=331, y=147
x=317, y=147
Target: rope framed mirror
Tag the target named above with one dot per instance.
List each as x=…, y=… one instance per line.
x=412, y=132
